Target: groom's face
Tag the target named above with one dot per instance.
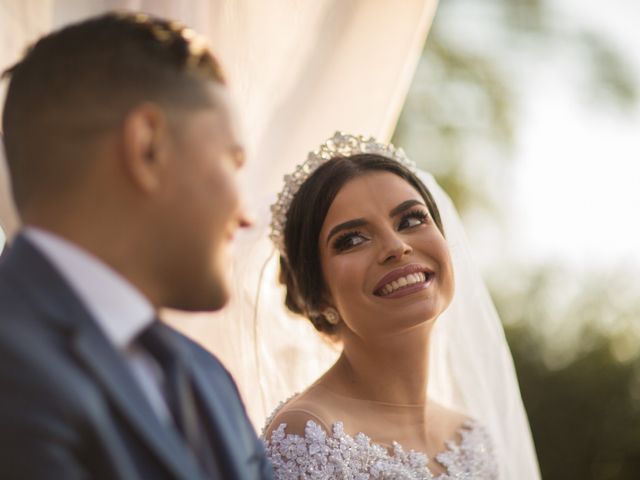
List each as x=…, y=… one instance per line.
x=207, y=206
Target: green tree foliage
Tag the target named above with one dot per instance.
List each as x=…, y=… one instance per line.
x=576, y=347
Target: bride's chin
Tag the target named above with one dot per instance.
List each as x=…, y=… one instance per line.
x=420, y=299
x=409, y=318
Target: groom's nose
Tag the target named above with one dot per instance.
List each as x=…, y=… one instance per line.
x=246, y=221
x=245, y=218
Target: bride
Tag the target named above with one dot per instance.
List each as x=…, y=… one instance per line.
x=366, y=256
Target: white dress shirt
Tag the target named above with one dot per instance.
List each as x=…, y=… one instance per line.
x=119, y=309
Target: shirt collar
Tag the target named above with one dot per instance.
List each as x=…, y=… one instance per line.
x=120, y=310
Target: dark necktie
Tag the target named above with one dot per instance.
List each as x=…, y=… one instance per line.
x=180, y=396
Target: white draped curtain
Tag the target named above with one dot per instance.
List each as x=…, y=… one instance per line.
x=299, y=71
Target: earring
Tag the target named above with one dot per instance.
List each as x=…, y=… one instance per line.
x=332, y=315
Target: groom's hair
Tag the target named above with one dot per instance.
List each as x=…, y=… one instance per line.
x=76, y=84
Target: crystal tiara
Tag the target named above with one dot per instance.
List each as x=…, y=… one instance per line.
x=340, y=145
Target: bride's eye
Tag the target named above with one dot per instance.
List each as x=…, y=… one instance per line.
x=413, y=219
x=348, y=240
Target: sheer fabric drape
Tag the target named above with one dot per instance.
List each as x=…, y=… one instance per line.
x=299, y=71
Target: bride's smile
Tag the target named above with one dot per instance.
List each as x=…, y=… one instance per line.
x=404, y=281
x=380, y=249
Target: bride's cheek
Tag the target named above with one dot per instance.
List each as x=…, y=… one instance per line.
x=345, y=275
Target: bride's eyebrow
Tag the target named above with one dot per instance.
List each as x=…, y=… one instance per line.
x=360, y=222
x=407, y=204
x=349, y=224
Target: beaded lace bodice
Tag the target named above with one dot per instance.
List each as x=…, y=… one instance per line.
x=319, y=455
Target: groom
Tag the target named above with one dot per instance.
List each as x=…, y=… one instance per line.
x=123, y=158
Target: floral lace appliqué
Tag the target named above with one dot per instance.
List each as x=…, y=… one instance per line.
x=319, y=456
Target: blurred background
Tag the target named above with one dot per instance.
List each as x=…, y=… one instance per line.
x=527, y=112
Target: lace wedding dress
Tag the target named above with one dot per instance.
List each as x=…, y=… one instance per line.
x=331, y=453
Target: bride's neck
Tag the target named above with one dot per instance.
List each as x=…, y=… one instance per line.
x=392, y=370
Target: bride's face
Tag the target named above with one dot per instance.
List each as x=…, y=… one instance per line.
x=385, y=264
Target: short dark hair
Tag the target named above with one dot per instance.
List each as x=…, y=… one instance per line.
x=300, y=267
x=82, y=80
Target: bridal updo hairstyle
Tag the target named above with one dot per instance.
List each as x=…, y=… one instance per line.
x=300, y=270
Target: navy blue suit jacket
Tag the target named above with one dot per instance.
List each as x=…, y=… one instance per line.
x=69, y=406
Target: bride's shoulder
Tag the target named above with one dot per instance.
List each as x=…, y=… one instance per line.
x=297, y=414
x=299, y=442
x=449, y=414
x=449, y=423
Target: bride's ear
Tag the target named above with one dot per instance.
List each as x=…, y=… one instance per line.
x=328, y=311
x=325, y=312
x=331, y=315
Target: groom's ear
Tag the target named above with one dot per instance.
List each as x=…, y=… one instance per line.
x=145, y=143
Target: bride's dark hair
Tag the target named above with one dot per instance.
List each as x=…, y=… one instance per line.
x=300, y=270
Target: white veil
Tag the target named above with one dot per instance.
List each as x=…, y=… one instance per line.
x=471, y=368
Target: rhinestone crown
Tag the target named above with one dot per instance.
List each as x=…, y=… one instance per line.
x=340, y=145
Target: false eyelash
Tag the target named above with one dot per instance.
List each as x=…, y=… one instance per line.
x=418, y=214
x=342, y=242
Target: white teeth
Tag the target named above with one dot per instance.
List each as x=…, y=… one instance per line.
x=405, y=281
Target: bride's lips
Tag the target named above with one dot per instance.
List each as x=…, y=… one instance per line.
x=424, y=274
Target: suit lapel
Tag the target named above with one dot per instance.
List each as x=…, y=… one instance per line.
x=114, y=375
x=63, y=309
x=219, y=419
x=217, y=414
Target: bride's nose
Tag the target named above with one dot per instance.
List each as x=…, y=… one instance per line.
x=393, y=248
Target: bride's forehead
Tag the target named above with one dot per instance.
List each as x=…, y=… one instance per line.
x=371, y=192
x=376, y=185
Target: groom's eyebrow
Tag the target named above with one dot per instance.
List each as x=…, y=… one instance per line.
x=360, y=222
